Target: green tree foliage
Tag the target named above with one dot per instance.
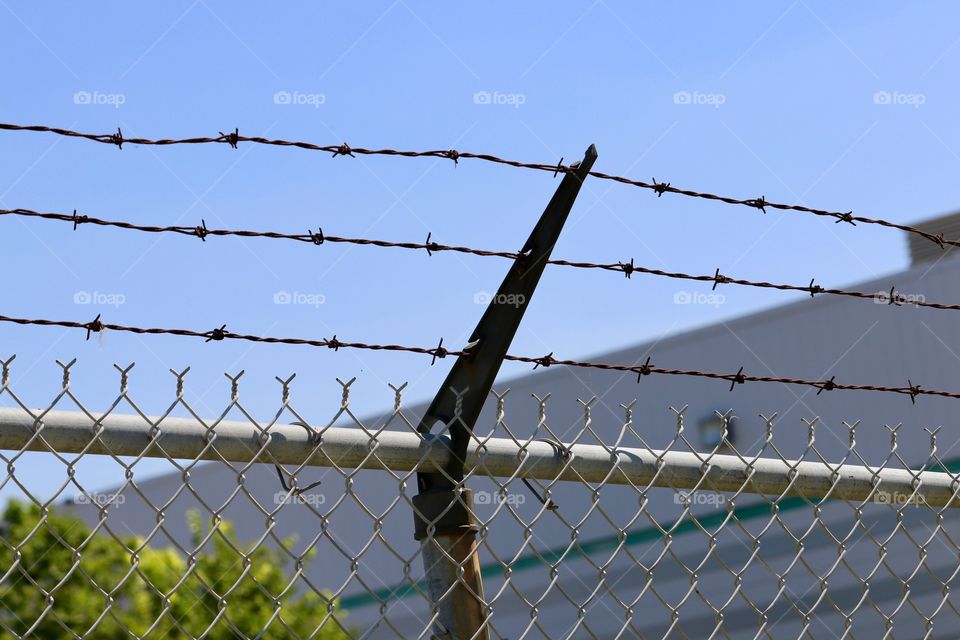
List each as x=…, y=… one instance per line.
x=60, y=580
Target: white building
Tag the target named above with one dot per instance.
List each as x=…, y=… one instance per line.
x=361, y=556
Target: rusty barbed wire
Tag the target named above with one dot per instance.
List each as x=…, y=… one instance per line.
x=234, y=138
x=439, y=352
x=201, y=231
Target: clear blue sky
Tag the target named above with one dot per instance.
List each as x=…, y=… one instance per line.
x=784, y=107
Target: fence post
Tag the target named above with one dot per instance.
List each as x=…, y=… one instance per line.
x=443, y=509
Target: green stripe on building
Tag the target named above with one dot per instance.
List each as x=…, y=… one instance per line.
x=586, y=549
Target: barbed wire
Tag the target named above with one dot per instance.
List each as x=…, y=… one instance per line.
x=892, y=297
x=233, y=139
x=439, y=352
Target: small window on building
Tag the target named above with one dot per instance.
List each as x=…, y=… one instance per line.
x=711, y=432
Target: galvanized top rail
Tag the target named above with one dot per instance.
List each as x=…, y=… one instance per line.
x=243, y=441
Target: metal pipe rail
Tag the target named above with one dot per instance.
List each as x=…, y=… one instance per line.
x=239, y=441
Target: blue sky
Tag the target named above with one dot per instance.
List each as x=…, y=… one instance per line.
x=782, y=105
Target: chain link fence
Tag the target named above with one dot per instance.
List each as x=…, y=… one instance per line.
x=288, y=526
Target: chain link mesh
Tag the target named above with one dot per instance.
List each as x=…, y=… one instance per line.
x=295, y=527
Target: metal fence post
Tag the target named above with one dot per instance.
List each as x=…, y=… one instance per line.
x=443, y=510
